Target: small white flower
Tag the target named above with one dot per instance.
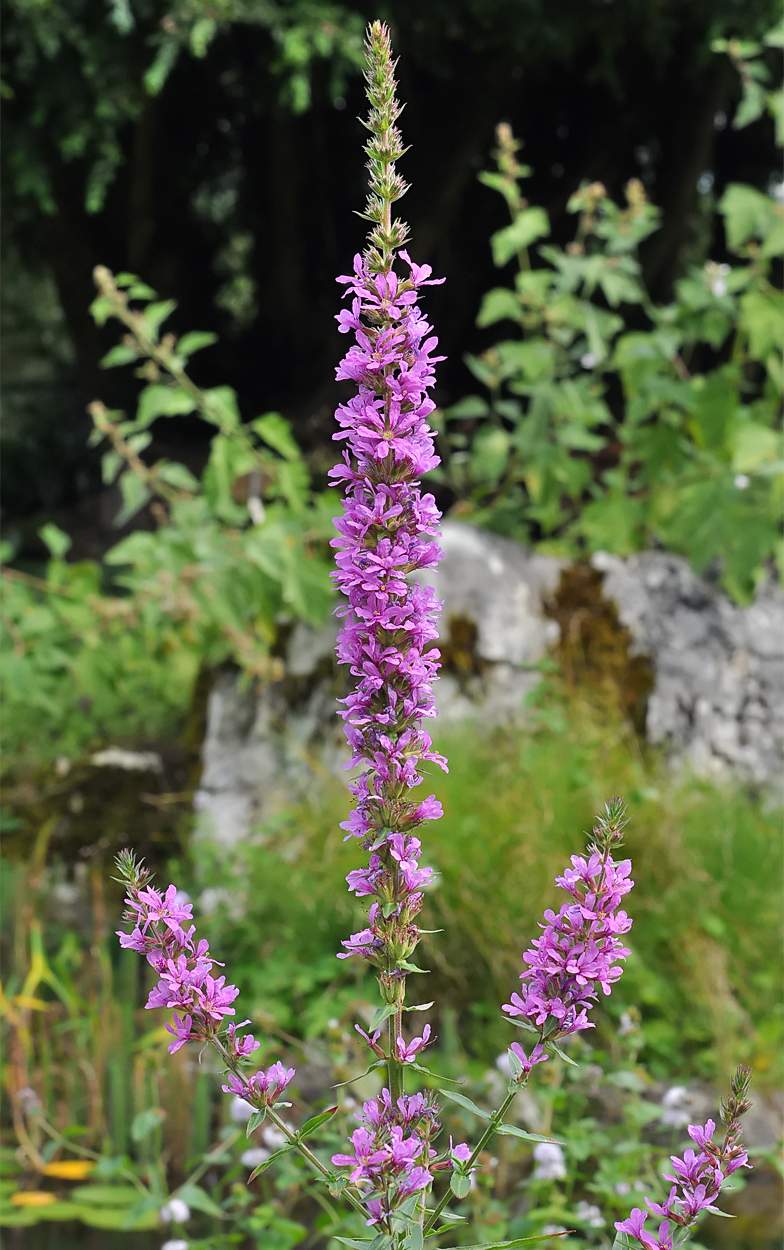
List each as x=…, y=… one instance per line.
x=334, y=1023
x=590, y=1214
x=627, y=1024
x=590, y=360
x=741, y=481
x=676, y=1107
x=273, y=1137
x=622, y=1187
x=550, y=1162
x=240, y=1110
x=175, y=1211
x=551, y=1230
x=641, y=1187
x=503, y=1064
x=182, y=897
x=175, y=1243
x=252, y=1158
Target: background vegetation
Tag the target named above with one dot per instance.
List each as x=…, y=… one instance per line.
x=630, y=380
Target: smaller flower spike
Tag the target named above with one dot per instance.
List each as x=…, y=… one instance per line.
x=698, y=1176
x=200, y=1001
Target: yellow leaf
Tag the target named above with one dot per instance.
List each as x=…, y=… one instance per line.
x=34, y=1004
x=70, y=1169
x=32, y=1198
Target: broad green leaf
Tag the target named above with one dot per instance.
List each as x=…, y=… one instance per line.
x=489, y=454
x=762, y=317
x=753, y=445
x=177, y=475
x=462, y=1101
x=414, y=1239
x=56, y=539
x=155, y=314
x=221, y=407
x=460, y=1185
x=199, y=1199
x=146, y=1122
x=122, y=354
x=747, y=213
x=471, y=406
x=529, y=225
x=195, y=341
x=105, y=1195
x=276, y=433
x=135, y=495
x=111, y=463
x=160, y=400
x=498, y=305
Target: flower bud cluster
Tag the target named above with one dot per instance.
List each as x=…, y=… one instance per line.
x=392, y=1158
x=579, y=949
x=697, y=1177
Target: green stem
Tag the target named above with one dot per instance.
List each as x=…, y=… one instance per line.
x=291, y=1134
x=395, y=1069
x=495, y=1119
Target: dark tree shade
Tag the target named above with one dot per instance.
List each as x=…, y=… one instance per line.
x=226, y=192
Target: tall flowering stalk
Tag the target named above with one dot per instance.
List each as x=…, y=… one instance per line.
x=387, y=532
x=698, y=1177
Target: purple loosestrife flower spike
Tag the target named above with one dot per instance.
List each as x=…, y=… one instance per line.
x=388, y=531
x=580, y=947
x=200, y=1001
x=698, y=1176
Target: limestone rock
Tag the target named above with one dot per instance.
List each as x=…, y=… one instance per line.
x=718, y=700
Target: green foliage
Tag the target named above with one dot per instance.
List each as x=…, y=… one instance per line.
x=707, y=910
x=91, y=68
x=598, y=435
x=91, y=653
x=698, y=994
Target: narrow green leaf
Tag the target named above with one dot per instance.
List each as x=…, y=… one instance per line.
x=422, y=1006
x=462, y=1101
x=195, y=341
x=562, y=1054
x=122, y=354
x=315, y=1122
x=383, y=1013
x=285, y=1150
x=511, y=1130
x=255, y=1120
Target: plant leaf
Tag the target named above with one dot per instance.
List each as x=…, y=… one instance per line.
x=315, y=1122
x=462, y=1101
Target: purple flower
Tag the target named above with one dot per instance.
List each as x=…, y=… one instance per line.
x=460, y=1153
x=579, y=949
x=633, y=1226
x=262, y=1089
x=538, y=1055
x=182, y=1030
x=698, y=1176
x=240, y=1047
x=407, y=1053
